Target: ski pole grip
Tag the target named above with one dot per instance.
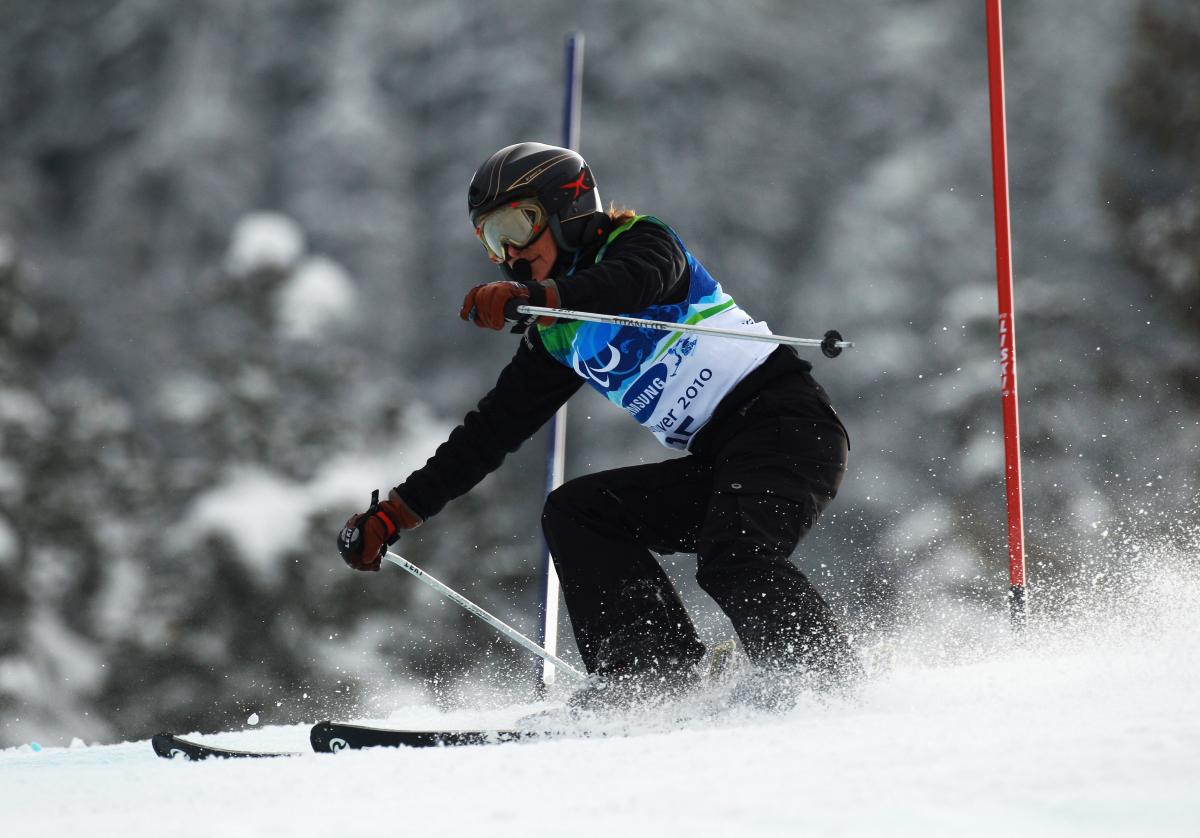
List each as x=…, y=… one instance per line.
x=512, y=309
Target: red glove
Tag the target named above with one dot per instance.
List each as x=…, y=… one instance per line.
x=493, y=304
x=367, y=535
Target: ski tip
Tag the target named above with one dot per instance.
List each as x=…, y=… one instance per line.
x=170, y=746
x=161, y=742
x=322, y=738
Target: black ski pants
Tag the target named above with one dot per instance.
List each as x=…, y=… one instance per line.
x=755, y=484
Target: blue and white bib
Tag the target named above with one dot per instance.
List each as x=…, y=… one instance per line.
x=670, y=382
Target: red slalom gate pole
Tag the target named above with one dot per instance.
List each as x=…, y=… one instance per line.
x=1008, y=336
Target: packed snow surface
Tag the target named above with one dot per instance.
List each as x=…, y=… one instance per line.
x=1088, y=725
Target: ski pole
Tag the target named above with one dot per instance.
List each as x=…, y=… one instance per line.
x=832, y=344
x=495, y=622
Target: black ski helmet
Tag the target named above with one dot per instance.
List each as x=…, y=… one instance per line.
x=561, y=181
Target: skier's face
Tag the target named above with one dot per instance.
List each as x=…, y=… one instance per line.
x=541, y=254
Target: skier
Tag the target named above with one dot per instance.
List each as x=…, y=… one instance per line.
x=765, y=450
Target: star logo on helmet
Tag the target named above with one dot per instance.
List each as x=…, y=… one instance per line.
x=578, y=185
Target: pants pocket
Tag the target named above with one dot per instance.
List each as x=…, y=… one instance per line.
x=796, y=457
x=750, y=523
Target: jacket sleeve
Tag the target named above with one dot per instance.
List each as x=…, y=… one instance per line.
x=527, y=393
x=642, y=267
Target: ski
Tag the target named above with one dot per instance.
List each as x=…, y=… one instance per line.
x=331, y=737
x=170, y=746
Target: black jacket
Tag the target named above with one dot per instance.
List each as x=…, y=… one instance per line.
x=643, y=266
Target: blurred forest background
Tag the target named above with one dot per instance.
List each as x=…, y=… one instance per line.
x=233, y=243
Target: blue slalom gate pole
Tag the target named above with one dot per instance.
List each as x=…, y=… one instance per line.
x=557, y=451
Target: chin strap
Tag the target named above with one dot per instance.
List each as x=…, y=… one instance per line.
x=519, y=272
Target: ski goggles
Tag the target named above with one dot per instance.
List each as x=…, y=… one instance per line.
x=517, y=224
